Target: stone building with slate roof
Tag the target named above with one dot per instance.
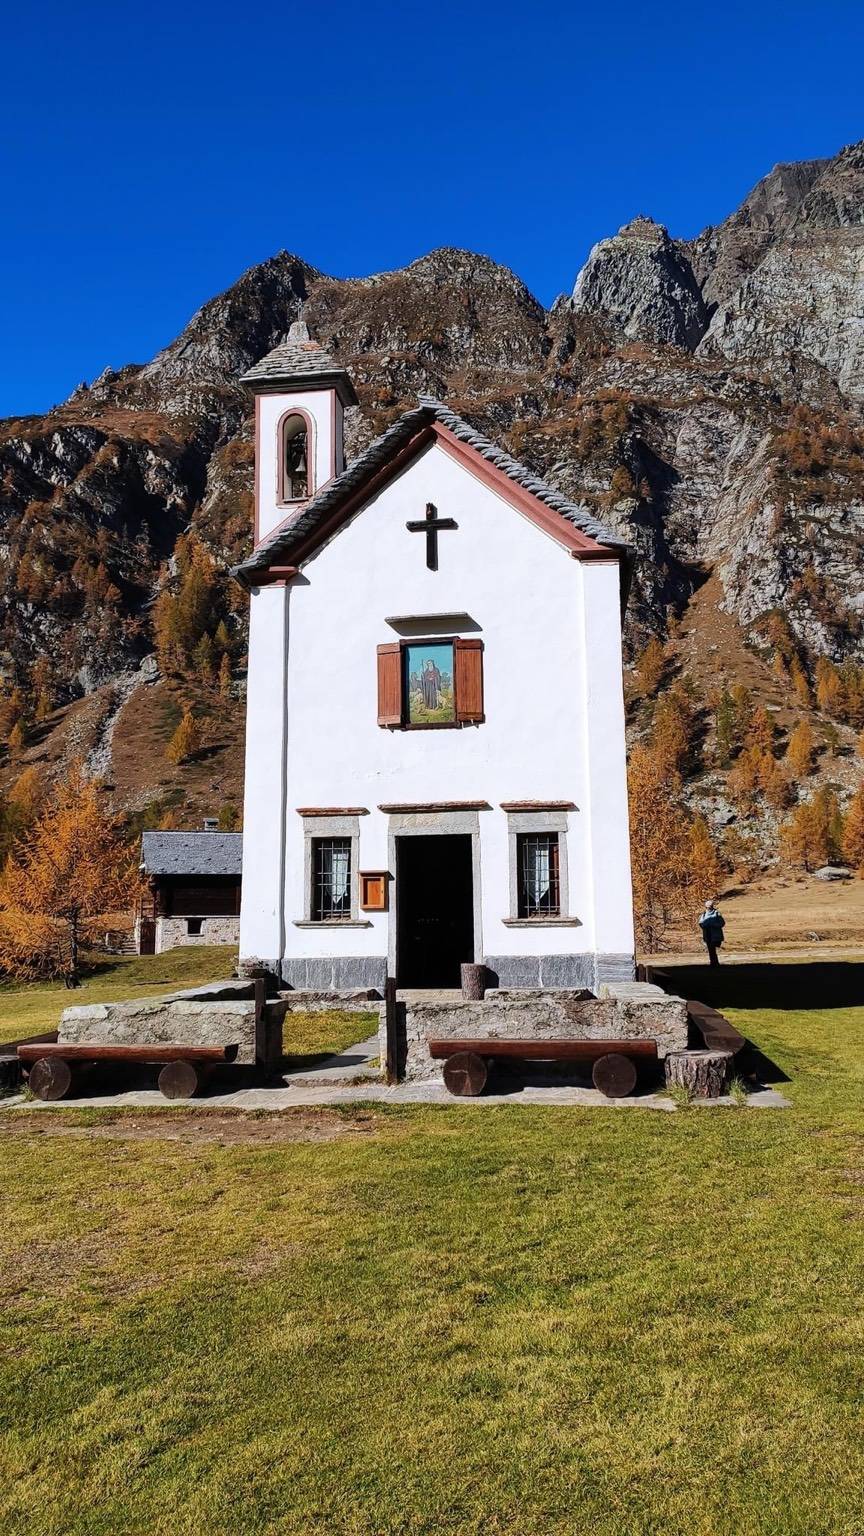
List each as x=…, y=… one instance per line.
x=191, y=892
x=435, y=760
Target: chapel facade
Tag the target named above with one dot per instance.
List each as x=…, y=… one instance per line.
x=435, y=755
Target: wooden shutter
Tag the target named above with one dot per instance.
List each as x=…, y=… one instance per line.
x=468, y=658
x=390, y=684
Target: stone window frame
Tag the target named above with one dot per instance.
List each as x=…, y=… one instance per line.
x=519, y=822
x=315, y=828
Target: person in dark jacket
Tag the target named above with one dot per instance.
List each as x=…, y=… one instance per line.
x=712, y=926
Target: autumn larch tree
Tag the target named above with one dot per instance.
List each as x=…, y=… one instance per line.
x=813, y=835
x=853, y=831
x=186, y=739
x=799, y=753
x=70, y=868
x=668, y=857
x=650, y=667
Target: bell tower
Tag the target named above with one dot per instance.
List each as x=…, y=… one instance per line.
x=300, y=395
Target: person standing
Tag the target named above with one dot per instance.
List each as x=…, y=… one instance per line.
x=712, y=926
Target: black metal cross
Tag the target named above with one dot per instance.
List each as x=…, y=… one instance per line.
x=430, y=526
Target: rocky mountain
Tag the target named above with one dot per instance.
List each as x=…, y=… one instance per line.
x=707, y=396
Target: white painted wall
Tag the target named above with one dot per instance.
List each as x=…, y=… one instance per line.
x=325, y=409
x=262, y=906
x=554, y=725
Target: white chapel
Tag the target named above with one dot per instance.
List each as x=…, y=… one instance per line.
x=435, y=758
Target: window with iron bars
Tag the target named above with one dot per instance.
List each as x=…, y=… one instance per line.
x=539, y=882
x=331, y=878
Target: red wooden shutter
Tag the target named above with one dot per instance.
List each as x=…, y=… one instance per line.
x=390, y=684
x=468, y=657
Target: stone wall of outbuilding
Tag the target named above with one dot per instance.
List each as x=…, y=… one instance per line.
x=173, y=932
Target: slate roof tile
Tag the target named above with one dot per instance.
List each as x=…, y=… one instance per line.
x=192, y=853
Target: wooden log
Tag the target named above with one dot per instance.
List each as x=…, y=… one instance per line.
x=465, y=1074
x=180, y=1079
x=614, y=1075
x=50, y=1078
x=473, y=982
x=154, y=1054
x=705, y=1074
x=717, y=1034
x=545, y=1050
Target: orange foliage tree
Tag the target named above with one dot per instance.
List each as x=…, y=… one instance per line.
x=186, y=740
x=813, y=835
x=853, y=831
x=799, y=753
x=650, y=666
x=669, y=854
x=72, y=866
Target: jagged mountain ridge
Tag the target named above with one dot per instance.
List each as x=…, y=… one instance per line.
x=707, y=396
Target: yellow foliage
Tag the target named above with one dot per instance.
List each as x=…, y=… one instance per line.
x=62, y=875
x=705, y=871
x=853, y=831
x=670, y=856
x=650, y=667
x=799, y=752
x=186, y=740
x=225, y=675
x=814, y=832
x=773, y=782
x=762, y=730
x=744, y=777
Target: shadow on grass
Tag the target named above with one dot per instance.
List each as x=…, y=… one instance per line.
x=822, y=984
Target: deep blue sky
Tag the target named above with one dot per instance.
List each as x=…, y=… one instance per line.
x=149, y=154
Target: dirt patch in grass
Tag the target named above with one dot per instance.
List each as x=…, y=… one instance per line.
x=228, y=1128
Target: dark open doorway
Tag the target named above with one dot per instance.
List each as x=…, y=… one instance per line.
x=434, y=910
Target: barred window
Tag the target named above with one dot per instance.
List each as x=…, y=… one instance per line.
x=539, y=882
x=331, y=878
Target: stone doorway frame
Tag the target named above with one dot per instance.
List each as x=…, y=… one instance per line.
x=433, y=824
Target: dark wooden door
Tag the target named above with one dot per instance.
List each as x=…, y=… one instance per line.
x=434, y=909
x=147, y=936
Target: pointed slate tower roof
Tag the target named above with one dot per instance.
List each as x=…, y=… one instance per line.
x=299, y=363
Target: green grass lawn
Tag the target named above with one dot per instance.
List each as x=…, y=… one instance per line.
x=494, y=1321
x=35, y=1008
x=30, y=1009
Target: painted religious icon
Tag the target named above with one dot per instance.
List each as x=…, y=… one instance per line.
x=429, y=670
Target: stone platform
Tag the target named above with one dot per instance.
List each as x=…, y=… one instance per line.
x=622, y=1011
x=225, y=1013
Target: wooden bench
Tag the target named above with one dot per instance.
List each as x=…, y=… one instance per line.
x=466, y=1062
x=184, y=1067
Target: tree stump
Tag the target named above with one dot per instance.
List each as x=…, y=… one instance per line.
x=614, y=1075
x=705, y=1074
x=179, y=1079
x=50, y=1078
x=473, y=983
x=465, y=1074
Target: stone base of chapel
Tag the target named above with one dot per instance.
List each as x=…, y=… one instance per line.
x=334, y=974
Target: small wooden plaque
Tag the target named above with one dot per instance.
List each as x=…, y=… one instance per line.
x=373, y=890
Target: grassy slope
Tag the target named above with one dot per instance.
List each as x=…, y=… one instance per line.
x=468, y=1320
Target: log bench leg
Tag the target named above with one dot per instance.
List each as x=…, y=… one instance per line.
x=614, y=1075
x=180, y=1079
x=465, y=1074
x=50, y=1078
